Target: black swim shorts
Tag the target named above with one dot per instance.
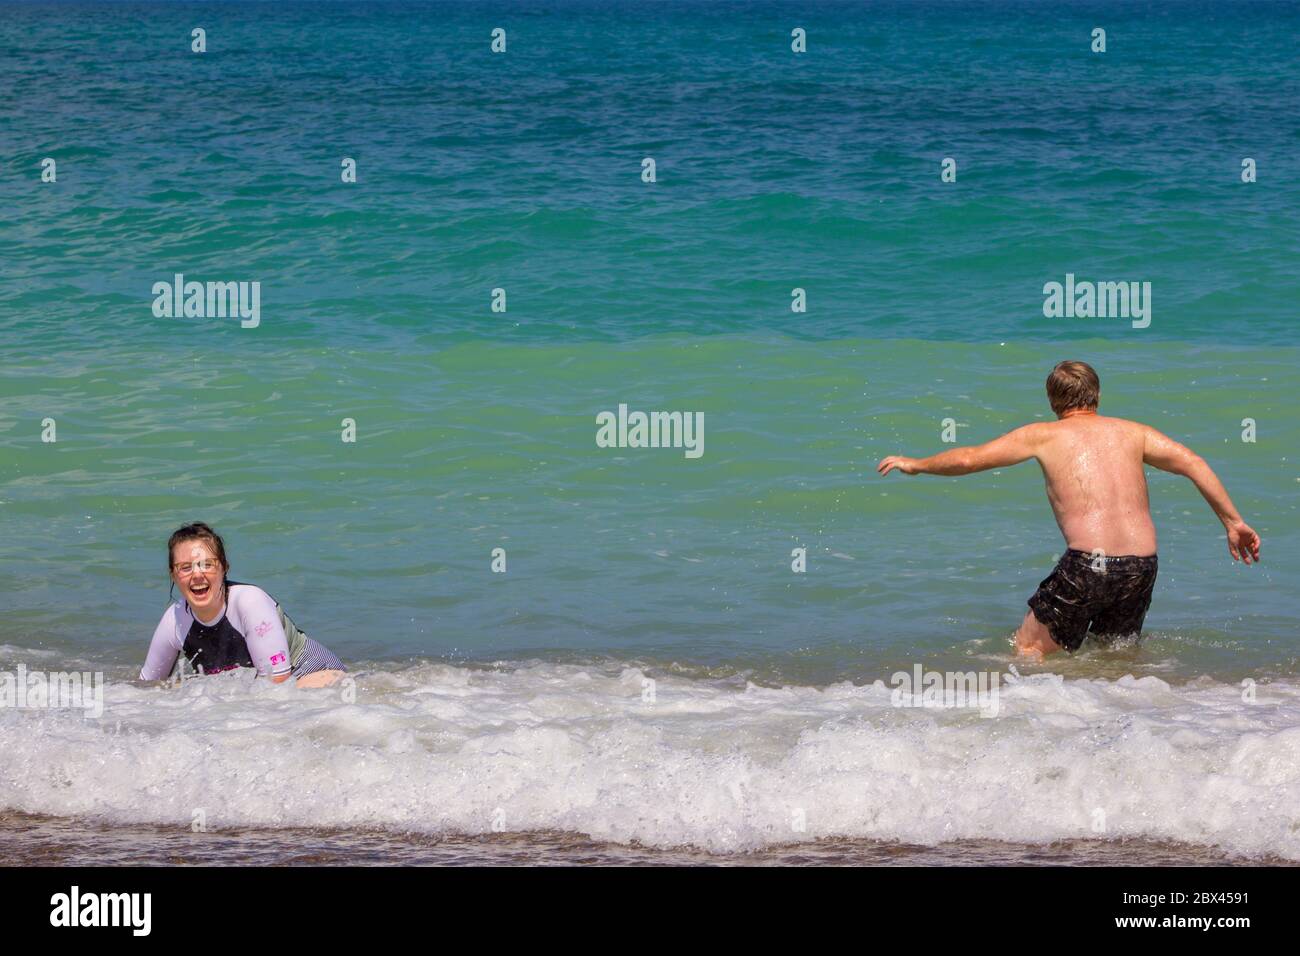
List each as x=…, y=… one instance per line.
x=1107, y=595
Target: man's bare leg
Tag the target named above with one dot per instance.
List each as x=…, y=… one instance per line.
x=1034, y=640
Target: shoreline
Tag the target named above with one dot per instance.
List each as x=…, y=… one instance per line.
x=39, y=840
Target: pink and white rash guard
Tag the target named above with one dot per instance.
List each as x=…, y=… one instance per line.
x=252, y=631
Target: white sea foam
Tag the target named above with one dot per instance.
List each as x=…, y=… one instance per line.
x=710, y=763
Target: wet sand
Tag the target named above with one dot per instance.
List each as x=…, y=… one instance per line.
x=33, y=840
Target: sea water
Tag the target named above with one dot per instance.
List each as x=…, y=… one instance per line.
x=648, y=668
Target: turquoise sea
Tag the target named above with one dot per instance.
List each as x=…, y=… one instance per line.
x=648, y=671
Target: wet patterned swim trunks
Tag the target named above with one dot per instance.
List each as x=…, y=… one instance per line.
x=1108, y=596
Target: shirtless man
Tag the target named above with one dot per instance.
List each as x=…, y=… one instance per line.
x=1098, y=491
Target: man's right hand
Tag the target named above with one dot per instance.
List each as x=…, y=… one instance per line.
x=904, y=464
x=1243, y=542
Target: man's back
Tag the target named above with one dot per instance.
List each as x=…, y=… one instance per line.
x=1096, y=483
x=1098, y=490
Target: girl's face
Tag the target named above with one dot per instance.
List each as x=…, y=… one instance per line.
x=198, y=574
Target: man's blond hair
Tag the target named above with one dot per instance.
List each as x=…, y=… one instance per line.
x=1073, y=385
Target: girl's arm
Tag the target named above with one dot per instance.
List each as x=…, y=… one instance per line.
x=258, y=619
x=163, y=649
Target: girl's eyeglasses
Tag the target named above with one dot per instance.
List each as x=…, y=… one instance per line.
x=188, y=568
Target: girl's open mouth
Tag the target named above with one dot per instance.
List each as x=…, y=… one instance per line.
x=199, y=590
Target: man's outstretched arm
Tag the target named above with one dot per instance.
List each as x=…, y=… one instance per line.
x=1161, y=451
x=1010, y=449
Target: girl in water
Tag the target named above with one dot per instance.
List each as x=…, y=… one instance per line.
x=220, y=624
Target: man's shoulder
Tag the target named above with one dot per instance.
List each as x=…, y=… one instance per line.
x=1034, y=431
x=1128, y=424
x=1069, y=424
x=1068, y=432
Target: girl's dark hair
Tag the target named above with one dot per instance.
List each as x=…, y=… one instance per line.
x=198, y=531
